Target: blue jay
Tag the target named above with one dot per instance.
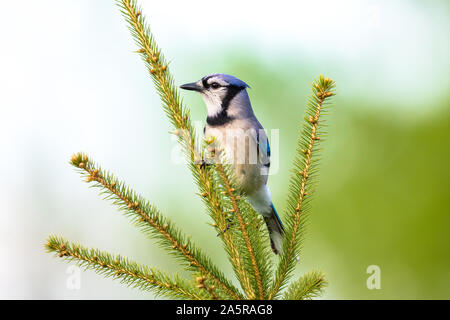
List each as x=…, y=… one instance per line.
x=232, y=122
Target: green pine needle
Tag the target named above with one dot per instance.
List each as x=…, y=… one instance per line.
x=307, y=287
x=128, y=272
x=151, y=222
x=302, y=180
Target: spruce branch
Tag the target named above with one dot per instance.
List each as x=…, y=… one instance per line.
x=220, y=213
x=157, y=66
x=179, y=116
x=258, y=290
x=151, y=222
x=308, y=286
x=301, y=185
x=128, y=272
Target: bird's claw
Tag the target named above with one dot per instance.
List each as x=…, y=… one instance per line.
x=228, y=226
x=202, y=164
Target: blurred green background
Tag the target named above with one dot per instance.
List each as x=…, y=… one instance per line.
x=74, y=84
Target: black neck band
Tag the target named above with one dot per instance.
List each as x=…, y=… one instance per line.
x=219, y=119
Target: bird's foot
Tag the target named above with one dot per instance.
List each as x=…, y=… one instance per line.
x=202, y=164
x=228, y=226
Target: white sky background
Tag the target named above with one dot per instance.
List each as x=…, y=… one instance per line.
x=65, y=65
x=402, y=41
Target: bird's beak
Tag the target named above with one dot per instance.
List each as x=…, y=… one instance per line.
x=193, y=86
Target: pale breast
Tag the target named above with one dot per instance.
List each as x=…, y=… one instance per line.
x=239, y=142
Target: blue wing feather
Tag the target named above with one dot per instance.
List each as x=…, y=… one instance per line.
x=277, y=216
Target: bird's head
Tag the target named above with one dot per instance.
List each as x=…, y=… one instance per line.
x=218, y=91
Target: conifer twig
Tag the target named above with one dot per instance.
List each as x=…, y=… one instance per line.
x=180, y=119
x=129, y=272
x=300, y=187
x=152, y=222
x=308, y=286
x=243, y=229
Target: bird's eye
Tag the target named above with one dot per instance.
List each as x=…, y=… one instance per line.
x=215, y=85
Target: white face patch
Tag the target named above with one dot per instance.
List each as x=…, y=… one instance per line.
x=213, y=103
x=213, y=97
